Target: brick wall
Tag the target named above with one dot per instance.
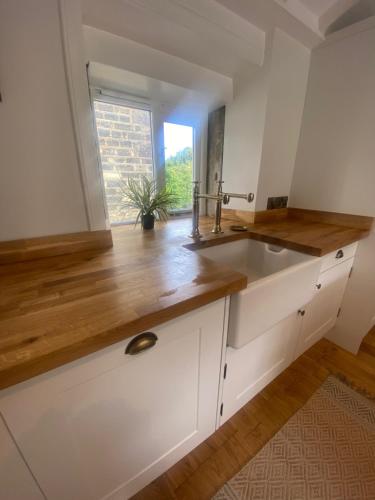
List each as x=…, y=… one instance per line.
x=126, y=151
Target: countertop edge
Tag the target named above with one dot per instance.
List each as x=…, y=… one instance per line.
x=50, y=361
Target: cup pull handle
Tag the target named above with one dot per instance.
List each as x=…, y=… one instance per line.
x=340, y=254
x=141, y=343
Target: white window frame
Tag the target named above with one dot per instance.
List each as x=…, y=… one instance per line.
x=158, y=117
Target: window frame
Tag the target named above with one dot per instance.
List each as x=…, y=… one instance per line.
x=158, y=116
x=120, y=99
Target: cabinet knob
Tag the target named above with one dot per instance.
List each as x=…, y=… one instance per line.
x=319, y=286
x=141, y=342
x=340, y=254
x=301, y=312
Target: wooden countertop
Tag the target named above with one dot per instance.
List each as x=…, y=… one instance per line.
x=313, y=238
x=58, y=309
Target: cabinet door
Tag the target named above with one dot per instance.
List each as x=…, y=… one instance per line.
x=107, y=425
x=321, y=314
x=256, y=364
x=16, y=481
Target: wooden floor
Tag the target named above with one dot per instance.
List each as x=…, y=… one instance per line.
x=201, y=473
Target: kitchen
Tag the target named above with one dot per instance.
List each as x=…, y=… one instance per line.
x=144, y=361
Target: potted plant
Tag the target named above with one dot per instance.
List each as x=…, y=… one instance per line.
x=151, y=201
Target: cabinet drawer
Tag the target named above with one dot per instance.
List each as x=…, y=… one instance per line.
x=338, y=256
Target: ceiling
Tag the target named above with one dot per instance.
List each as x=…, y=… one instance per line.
x=360, y=11
x=326, y=16
x=222, y=35
x=200, y=31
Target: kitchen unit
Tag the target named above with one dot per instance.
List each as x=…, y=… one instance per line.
x=291, y=321
x=105, y=423
x=121, y=351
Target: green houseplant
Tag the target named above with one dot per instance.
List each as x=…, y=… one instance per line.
x=150, y=201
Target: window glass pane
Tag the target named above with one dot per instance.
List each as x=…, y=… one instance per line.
x=178, y=144
x=125, y=142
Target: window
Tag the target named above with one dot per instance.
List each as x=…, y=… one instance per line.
x=125, y=143
x=178, y=154
x=125, y=137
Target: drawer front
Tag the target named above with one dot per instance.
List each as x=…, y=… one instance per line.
x=338, y=256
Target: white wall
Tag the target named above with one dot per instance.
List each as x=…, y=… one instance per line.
x=286, y=97
x=335, y=166
x=199, y=31
x=262, y=123
x=84, y=128
x=40, y=187
x=112, y=50
x=244, y=127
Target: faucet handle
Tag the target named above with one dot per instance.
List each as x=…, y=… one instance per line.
x=227, y=196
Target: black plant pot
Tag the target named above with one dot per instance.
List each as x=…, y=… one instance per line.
x=148, y=221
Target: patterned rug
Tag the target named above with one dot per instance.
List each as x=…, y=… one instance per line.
x=325, y=451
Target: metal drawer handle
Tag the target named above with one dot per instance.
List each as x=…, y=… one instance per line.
x=141, y=342
x=340, y=254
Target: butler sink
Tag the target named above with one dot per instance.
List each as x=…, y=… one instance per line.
x=280, y=281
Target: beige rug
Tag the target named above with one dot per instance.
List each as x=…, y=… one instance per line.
x=325, y=451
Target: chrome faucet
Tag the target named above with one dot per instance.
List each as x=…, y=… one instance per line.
x=220, y=198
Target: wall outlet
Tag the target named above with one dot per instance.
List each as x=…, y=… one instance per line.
x=277, y=202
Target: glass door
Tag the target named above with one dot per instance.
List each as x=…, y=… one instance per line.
x=179, y=163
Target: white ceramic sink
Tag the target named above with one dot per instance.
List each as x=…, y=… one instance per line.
x=280, y=281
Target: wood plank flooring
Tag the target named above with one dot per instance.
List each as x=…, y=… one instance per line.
x=203, y=471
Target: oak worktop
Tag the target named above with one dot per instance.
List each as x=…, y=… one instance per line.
x=58, y=309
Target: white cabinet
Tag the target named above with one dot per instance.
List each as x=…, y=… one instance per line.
x=321, y=313
x=16, y=480
x=108, y=424
x=256, y=364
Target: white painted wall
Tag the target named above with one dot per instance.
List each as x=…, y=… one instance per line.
x=112, y=50
x=199, y=31
x=289, y=71
x=40, y=187
x=84, y=128
x=263, y=123
x=335, y=166
x=244, y=127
